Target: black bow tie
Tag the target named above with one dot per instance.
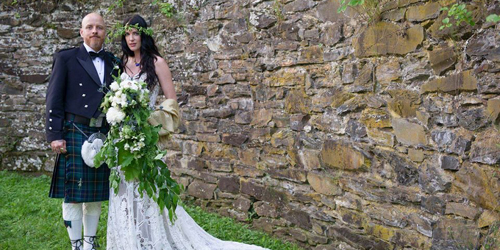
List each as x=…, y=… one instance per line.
x=93, y=55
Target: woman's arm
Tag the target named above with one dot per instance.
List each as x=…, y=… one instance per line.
x=165, y=78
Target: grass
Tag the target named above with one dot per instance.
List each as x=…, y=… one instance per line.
x=31, y=220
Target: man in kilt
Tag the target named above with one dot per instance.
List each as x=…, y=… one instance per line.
x=75, y=91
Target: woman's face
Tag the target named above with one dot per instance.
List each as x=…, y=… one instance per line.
x=133, y=39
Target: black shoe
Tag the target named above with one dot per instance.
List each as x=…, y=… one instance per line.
x=92, y=240
x=77, y=244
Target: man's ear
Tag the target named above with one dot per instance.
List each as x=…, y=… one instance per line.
x=81, y=32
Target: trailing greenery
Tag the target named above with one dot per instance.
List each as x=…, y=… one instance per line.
x=32, y=220
x=459, y=13
x=131, y=143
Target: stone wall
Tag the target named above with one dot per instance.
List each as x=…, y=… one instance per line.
x=322, y=128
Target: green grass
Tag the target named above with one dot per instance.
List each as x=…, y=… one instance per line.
x=31, y=220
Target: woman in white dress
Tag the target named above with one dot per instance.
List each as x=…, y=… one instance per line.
x=135, y=222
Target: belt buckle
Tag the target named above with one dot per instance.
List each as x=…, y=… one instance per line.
x=96, y=122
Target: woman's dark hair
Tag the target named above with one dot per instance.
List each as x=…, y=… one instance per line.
x=149, y=51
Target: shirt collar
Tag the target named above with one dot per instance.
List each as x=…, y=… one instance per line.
x=88, y=48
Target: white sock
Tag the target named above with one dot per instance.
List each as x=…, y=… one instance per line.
x=72, y=216
x=91, y=214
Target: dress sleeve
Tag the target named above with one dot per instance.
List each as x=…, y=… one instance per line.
x=167, y=114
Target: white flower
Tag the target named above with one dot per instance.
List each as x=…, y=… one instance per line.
x=114, y=115
x=129, y=85
x=114, y=86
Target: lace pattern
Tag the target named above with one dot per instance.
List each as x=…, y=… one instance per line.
x=135, y=222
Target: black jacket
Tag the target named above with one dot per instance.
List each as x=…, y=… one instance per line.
x=74, y=87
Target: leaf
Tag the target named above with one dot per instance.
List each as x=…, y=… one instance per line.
x=493, y=18
x=125, y=157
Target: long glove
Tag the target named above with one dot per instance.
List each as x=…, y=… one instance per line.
x=168, y=115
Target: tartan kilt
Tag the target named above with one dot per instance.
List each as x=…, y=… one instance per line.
x=72, y=179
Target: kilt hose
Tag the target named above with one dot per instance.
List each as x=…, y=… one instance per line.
x=72, y=179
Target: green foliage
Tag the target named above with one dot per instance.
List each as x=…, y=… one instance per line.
x=459, y=13
x=166, y=9
x=32, y=220
x=369, y=9
x=277, y=10
x=352, y=3
x=494, y=18
x=115, y=4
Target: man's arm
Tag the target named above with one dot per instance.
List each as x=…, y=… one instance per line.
x=55, y=99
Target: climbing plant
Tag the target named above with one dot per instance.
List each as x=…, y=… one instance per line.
x=459, y=13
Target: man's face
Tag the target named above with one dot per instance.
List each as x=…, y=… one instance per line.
x=93, y=31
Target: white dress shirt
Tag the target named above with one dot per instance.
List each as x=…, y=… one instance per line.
x=98, y=63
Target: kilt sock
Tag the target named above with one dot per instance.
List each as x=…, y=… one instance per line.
x=91, y=213
x=72, y=216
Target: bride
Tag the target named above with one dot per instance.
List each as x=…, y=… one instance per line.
x=135, y=222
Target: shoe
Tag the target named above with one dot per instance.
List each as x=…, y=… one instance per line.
x=76, y=244
x=90, y=241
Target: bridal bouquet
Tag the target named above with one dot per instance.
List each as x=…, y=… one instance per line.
x=131, y=144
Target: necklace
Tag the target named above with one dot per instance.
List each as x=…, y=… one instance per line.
x=137, y=64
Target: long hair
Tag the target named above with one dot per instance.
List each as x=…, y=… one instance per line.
x=149, y=51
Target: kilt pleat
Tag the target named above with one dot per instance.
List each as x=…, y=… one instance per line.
x=72, y=179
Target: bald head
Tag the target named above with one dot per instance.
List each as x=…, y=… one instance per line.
x=93, y=31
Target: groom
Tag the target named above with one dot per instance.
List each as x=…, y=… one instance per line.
x=74, y=94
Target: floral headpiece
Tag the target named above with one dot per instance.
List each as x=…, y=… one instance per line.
x=120, y=30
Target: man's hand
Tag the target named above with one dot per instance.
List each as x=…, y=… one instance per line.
x=58, y=146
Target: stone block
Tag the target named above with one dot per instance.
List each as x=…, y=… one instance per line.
x=488, y=219
x=263, y=193
x=261, y=117
x=336, y=154
x=432, y=178
x=297, y=217
x=462, y=209
x=480, y=185
x=297, y=101
x=403, y=103
x=464, y=81
x=242, y=204
x=202, y=190
x=387, y=72
x=324, y=184
x=423, y=12
x=493, y=110
x=234, y=139
x=375, y=118
x=230, y=184
x=384, y=38
x=449, y=162
x=409, y=133
x=452, y=233
x=442, y=59
x=485, y=148
x=381, y=137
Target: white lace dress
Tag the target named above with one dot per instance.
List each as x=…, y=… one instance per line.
x=136, y=223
